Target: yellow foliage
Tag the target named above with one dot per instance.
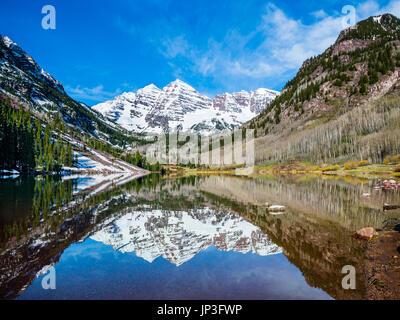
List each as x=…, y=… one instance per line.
x=396, y=159
x=330, y=168
x=363, y=163
x=386, y=161
x=350, y=165
x=397, y=169
x=355, y=180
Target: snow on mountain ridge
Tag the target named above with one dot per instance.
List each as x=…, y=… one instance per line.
x=178, y=106
x=21, y=57
x=8, y=42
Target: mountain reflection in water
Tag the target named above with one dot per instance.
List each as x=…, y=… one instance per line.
x=178, y=235
x=185, y=238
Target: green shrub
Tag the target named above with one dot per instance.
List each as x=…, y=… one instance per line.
x=338, y=83
x=363, y=80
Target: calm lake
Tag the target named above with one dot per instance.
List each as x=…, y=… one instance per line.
x=208, y=237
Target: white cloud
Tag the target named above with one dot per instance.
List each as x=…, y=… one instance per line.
x=367, y=9
x=97, y=94
x=290, y=42
x=285, y=44
x=372, y=8
x=253, y=71
x=394, y=8
x=174, y=47
x=319, y=14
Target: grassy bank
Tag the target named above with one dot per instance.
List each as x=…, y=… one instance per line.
x=386, y=171
x=364, y=170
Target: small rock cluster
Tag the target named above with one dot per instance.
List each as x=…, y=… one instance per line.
x=387, y=185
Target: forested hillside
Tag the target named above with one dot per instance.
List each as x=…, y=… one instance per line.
x=342, y=104
x=24, y=82
x=29, y=145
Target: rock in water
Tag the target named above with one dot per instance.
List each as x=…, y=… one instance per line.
x=276, y=208
x=387, y=207
x=366, y=233
x=276, y=213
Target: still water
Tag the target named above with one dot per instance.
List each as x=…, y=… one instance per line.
x=212, y=237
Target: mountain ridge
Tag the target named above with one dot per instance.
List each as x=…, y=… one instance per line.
x=179, y=106
x=24, y=82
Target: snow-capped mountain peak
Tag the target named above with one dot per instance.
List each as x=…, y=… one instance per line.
x=8, y=42
x=178, y=106
x=150, y=87
x=180, y=83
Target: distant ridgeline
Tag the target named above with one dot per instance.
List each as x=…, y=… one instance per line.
x=328, y=110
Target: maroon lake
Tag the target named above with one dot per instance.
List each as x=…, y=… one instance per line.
x=209, y=237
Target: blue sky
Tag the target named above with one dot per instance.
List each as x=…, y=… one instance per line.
x=100, y=49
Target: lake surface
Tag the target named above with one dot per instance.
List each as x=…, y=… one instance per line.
x=212, y=237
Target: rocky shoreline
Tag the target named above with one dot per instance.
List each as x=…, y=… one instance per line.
x=382, y=264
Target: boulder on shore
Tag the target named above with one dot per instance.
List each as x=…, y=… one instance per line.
x=366, y=233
